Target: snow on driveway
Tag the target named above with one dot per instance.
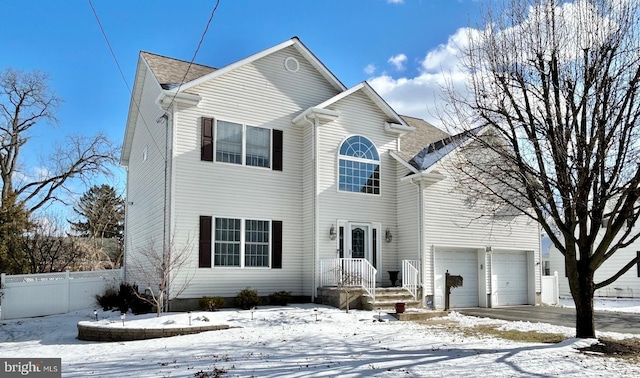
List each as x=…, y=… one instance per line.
x=289, y=342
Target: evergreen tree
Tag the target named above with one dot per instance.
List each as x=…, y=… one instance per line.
x=101, y=211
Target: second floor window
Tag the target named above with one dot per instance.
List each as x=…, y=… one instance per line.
x=359, y=166
x=241, y=144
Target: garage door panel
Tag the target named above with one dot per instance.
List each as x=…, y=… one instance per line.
x=463, y=263
x=510, y=279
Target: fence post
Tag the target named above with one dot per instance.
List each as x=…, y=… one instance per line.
x=556, y=288
x=66, y=277
x=3, y=280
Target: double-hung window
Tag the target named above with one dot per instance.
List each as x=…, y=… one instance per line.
x=237, y=242
x=241, y=144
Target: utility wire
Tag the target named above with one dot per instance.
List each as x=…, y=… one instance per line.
x=204, y=33
x=113, y=54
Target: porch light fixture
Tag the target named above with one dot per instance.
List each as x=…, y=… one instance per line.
x=387, y=236
x=332, y=232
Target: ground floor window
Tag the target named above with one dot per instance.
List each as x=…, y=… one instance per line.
x=239, y=242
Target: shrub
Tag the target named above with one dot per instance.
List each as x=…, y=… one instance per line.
x=281, y=298
x=109, y=300
x=127, y=297
x=211, y=303
x=247, y=298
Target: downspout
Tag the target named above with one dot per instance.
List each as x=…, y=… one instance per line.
x=316, y=211
x=126, y=229
x=166, y=231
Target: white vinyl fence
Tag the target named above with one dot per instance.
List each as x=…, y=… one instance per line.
x=550, y=290
x=27, y=295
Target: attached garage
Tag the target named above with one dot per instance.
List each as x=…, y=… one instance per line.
x=509, y=278
x=457, y=262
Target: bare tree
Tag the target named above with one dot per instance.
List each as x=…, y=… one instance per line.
x=47, y=248
x=557, y=87
x=161, y=271
x=25, y=101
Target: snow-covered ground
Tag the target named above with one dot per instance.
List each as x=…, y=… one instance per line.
x=290, y=342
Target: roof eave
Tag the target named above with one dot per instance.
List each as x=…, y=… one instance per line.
x=313, y=113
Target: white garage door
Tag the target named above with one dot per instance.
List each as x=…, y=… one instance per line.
x=460, y=263
x=509, y=279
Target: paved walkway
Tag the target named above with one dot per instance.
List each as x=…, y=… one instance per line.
x=605, y=321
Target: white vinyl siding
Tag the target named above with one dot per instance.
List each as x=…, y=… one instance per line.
x=145, y=190
x=407, y=233
x=358, y=116
x=260, y=94
x=626, y=286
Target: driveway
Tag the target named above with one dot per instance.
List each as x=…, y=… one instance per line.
x=606, y=321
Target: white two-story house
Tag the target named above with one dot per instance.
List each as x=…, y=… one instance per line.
x=272, y=173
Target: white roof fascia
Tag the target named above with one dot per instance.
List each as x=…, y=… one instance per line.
x=375, y=97
x=168, y=96
x=314, y=112
x=397, y=128
x=291, y=42
x=403, y=162
x=425, y=177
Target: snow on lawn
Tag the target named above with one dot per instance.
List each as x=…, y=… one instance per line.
x=605, y=304
x=288, y=341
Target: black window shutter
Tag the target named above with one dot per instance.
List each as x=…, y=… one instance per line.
x=638, y=255
x=276, y=244
x=206, y=151
x=204, y=254
x=277, y=150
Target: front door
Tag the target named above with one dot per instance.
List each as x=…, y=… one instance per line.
x=361, y=242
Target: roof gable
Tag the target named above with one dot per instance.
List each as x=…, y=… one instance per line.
x=399, y=123
x=295, y=42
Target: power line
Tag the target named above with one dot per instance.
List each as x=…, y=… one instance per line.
x=113, y=54
x=204, y=33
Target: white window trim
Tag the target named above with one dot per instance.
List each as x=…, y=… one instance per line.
x=352, y=158
x=243, y=227
x=243, y=153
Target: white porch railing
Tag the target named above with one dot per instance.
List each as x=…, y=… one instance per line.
x=349, y=273
x=410, y=277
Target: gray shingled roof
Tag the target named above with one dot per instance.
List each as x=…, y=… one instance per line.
x=438, y=149
x=415, y=141
x=169, y=72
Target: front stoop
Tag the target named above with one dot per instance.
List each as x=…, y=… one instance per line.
x=387, y=297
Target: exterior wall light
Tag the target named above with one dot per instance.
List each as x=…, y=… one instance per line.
x=387, y=236
x=332, y=232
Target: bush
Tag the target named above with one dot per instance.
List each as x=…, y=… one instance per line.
x=247, y=298
x=211, y=303
x=127, y=297
x=281, y=298
x=109, y=300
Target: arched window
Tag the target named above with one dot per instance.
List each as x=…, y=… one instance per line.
x=359, y=166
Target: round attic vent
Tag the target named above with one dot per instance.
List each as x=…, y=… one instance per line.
x=291, y=64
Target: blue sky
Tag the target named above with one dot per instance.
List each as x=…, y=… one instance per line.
x=400, y=47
